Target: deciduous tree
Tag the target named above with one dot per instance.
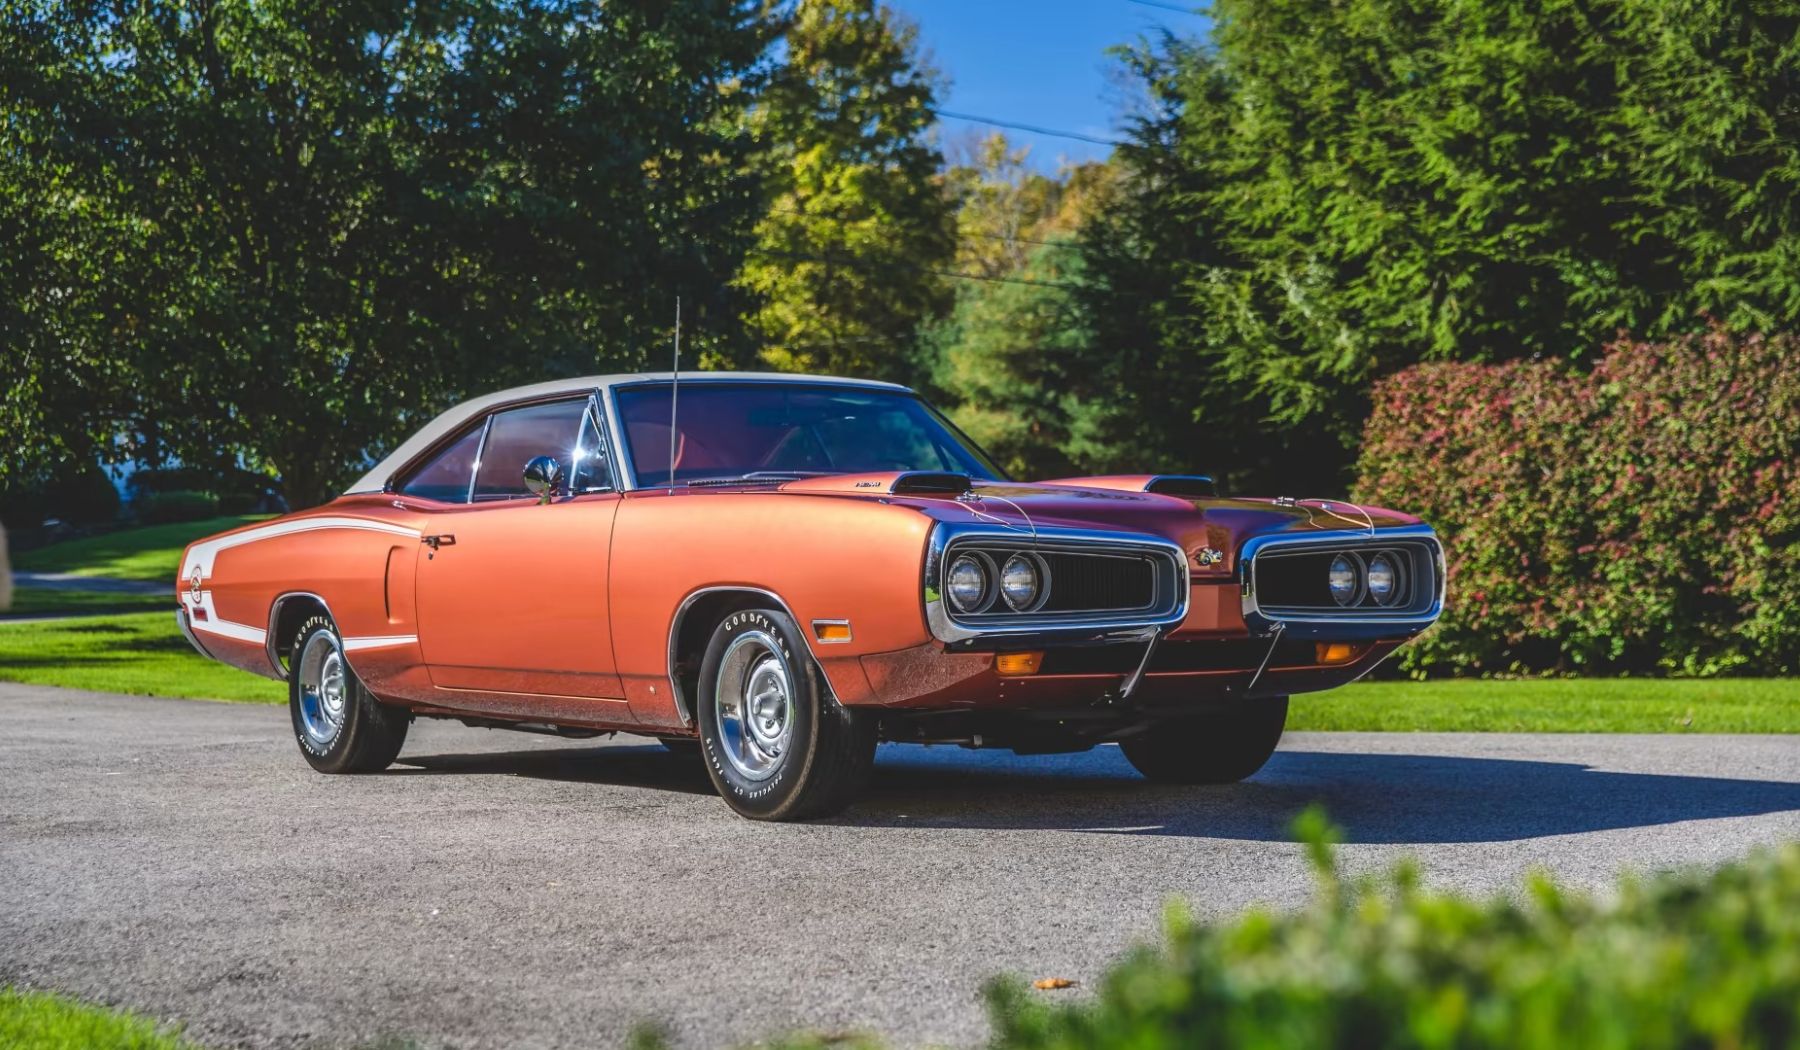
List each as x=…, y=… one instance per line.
x=857, y=230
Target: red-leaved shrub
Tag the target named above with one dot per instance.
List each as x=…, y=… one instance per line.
x=1643, y=517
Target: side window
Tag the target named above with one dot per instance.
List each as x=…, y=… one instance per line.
x=589, y=471
x=518, y=435
x=445, y=476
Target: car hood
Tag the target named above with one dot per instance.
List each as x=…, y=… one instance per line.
x=1193, y=522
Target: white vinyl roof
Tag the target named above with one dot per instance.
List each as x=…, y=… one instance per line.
x=455, y=418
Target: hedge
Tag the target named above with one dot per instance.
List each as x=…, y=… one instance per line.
x=1687, y=960
x=1641, y=517
x=1678, y=960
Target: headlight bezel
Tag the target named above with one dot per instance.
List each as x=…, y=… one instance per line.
x=1397, y=574
x=1359, y=578
x=1040, y=570
x=984, y=564
x=1134, y=581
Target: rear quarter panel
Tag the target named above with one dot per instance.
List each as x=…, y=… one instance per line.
x=356, y=555
x=827, y=558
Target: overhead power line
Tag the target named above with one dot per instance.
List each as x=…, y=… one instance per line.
x=1177, y=8
x=1033, y=128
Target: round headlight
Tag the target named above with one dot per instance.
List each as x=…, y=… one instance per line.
x=1384, y=579
x=1346, y=579
x=1021, y=583
x=967, y=584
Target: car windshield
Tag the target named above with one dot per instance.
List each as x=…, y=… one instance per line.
x=775, y=430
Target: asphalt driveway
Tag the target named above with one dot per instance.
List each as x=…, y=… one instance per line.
x=502, y=890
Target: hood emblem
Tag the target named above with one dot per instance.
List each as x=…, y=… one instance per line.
x=194, y=585
x=1209, y=556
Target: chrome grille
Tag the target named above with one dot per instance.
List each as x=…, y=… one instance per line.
x=1289, y=577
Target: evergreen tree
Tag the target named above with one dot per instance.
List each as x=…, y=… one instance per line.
x=1336, y=189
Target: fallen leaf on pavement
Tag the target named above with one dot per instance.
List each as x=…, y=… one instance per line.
x=1047, y=984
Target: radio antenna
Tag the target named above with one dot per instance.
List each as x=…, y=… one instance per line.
x=674, y=395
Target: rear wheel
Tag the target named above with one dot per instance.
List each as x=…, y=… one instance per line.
x=1220, y=748
x=339, y=724
x=778, y=745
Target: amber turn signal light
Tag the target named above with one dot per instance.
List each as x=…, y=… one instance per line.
x=1012, y=665
x=831, y=630
x=1336, y=652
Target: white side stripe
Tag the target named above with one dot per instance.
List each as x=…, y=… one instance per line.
x=200, y=556
x=204, y=618
x=227, y=629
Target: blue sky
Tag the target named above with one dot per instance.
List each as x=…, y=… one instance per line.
x=1040, y=62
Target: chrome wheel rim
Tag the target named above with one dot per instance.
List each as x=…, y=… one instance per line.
x=754, y=700
x=324, y=689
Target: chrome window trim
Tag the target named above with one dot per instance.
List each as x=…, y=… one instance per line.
x=391, y=485
x=487, y=427
x=568, y=477
x=598, y=414
x=628, y=467
x=615, y=421
x=1363, y=623
x=681, y=611
x=948, y=629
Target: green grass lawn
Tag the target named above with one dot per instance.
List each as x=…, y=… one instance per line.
x=37, y=1021
x=143, y=653
x=140, y=653
x=1558, y=705
x=149, y=553
x=48, y=601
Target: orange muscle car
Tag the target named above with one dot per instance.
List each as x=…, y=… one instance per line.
x=777, y=572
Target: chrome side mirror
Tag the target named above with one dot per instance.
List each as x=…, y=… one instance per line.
x=542, y=476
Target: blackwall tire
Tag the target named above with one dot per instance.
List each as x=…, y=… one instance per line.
x=1221, y=748
x=777, y=744
x=339, y=725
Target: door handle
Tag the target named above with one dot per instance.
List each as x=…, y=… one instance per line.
x=445, y=540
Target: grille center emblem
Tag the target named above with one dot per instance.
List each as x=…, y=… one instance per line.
x=194, y=585
x=1208, y=556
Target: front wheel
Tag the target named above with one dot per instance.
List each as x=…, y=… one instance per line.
x=339, y=724
x=778, y=745
x=1220, y=748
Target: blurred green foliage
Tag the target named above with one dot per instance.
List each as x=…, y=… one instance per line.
x=1694, y=959
x=1670, y=962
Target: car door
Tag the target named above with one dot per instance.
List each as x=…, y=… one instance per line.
x=510, y=589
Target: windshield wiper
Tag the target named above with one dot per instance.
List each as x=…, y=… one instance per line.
x=760, y=475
